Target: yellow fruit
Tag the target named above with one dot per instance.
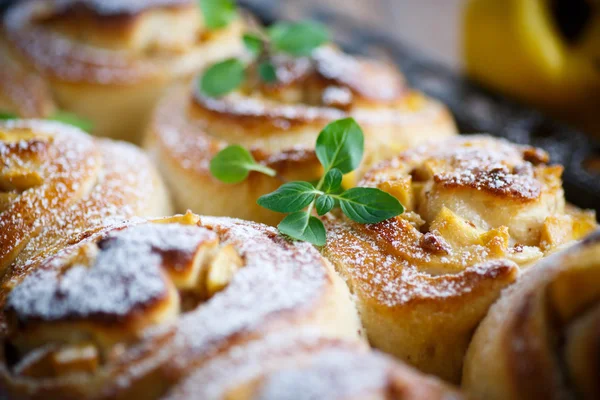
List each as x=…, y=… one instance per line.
x=516, y=46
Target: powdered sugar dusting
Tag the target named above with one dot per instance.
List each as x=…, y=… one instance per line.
x=280, y=284
x=279, y=277
x=250, y=360
x=257, y=107
x=87, y=184
x=125, y=275
x=330, y=374
x=394, y=261
x=371, y=79
x=65, y=58
x=25, y=91
x=302, y=364
x=398, y=271
x=282, y=358
x=54, y=54
x=64, y=165
x=496, y=166
x=191, y=141
x=309, y=89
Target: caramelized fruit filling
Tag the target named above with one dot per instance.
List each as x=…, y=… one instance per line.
x=21, y=152
x=86, y=306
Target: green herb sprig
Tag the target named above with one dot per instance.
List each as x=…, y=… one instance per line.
x=339, y=148
x=294, y=38
x=4, y=115
x=217, y=14
x=72, y=119
x=60, y=116
x=234, y=163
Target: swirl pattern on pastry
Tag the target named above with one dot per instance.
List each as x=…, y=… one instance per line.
x=279, y=122
x=477, y=209
x=109, y=61
x=540, y=340
x=55, y=182
x=132, y=309
x=304, y=365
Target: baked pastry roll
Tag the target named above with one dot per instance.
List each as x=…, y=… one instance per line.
x=22, y=93
x=478, y=208
x=279, y=122
x=130, y=310
x=304, y=365
x=540, y=340
x=56, y=181
x=110, y=60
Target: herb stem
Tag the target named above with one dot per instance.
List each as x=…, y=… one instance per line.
x=320, y=193
x=310, y=207
x=263, y=169
x=322, y=180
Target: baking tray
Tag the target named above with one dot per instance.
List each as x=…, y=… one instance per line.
x=475, y=108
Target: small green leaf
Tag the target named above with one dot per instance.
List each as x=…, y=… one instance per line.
x=253, y=43
x=332, y=181
x=234, y=163
x=217, y=13
x=72, y=119
x=267, y=72
x=324, y=204
x=298, y=38
x=290, y=197
x=223, y=77
x=7, y=115
x=341, y=145
x=369, y=205
x=303, y=226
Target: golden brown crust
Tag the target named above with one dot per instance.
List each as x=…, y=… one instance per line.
x=540, y=340
x=303, y=365
x=131, y=309
x=56, y=181
x=472, y=175
x=105, y=42
x=327, y=86
x=280, y=122
x=111, y=61
x=477, y=208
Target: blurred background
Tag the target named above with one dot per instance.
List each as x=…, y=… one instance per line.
x=526, y=70
x=543, y=52
x=434, y=26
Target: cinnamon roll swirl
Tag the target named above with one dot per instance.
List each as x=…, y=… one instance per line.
x=56, y=181
x=130, y=310
x=279, y=122
x=110, y=60
x=478, y=208
x=541, y=339
x=303, y=366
